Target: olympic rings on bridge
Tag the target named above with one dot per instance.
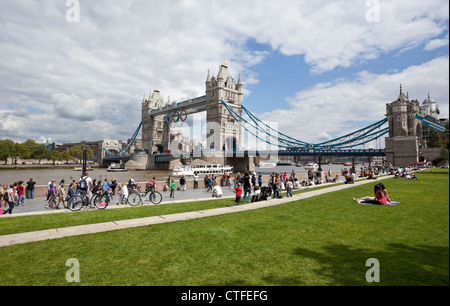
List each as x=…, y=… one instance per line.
x=177, y=118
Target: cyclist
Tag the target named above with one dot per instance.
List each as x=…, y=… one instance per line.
x=86, y=185
x=132, y=183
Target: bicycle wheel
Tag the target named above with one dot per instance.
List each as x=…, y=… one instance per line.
x=75, y=203
x=155, y=197
x=134, y=199
x=101, y=201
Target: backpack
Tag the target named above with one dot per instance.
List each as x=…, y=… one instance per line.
x=5, y=196
x=83, y=184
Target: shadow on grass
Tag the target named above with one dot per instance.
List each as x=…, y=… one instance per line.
x=400, y=264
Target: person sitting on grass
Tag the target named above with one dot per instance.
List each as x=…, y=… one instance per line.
x=379, y=199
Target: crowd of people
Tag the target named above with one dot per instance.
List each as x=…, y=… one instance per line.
x=58, y=194
x=248, y=187
x=12, y=195
x=86, y=186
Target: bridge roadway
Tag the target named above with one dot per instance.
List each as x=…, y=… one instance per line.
x=190, y=106
x=264, y=153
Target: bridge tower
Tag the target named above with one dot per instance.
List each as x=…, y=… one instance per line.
x=155, y=131
x=404, y=144
x=222, y=130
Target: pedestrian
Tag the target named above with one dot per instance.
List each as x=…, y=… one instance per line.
x=153, y=188
x=195, y=180
x=168, y=182
x=20, y=194
x=238, y=191
x=289, y=186
x=113, y=185
x=123, y=194
x=51, y=195
x=86, y=184
x=229, y=181
x=106, y=186
x=276, y=181
x=48, y=189
x=30, y=188
x=210, y=183
x=182, y=183
x=247, y=187
x=10, y=193
x=206, y=181
x=70, y=194
x=4, y=196
x=61, y=193
x=172, y=189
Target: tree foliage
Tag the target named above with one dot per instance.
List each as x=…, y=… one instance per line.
x=433, y=139
x=29, y=150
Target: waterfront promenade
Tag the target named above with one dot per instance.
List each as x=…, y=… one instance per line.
x=180, y=196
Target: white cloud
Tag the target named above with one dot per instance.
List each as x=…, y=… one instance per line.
x=121, y=50
x=341, y=107
x=437, y=43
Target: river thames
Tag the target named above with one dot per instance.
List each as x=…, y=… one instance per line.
x=43, y=175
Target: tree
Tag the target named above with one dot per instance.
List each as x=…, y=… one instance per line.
x=39, y=151
x=55, y=156
x=20, y=151
x=433, y=139
x=7, y=148
x=66, y=156
x=77, y=152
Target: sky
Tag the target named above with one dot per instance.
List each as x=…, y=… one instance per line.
x=78, y=70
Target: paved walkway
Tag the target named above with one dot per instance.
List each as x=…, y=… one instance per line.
x=37, y=206
x=56, y=233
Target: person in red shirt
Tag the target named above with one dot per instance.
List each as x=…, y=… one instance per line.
x=380, y=197
x=21, y=193
x=238, y=192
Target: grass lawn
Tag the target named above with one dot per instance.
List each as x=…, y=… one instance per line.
x=324, y=240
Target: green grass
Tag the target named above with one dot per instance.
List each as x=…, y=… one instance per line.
x=324, y=240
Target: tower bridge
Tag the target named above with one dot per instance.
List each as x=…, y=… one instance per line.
x=226, y=125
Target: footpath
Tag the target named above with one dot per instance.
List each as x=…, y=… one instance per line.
x=56, y=233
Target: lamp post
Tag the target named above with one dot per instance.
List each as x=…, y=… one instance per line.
x=84, y=161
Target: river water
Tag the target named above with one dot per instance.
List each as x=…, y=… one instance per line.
x=43, y=176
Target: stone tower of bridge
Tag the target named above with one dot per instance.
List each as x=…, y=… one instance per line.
x=155, y=131
x=222, y=130
x=404, y=144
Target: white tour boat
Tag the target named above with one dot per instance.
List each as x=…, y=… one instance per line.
x=311, y=166
x=81, y=169
x=267, y=165
x=202, y=170
x=116, y=168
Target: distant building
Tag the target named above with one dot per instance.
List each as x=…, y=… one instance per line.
x=430, y=111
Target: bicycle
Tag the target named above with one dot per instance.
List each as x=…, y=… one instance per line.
x=101, y=199
x=136, y=197
x=77, y=202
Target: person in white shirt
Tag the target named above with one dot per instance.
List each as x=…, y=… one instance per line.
x=217, y=191
x=195, y=180
x=123, y=194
